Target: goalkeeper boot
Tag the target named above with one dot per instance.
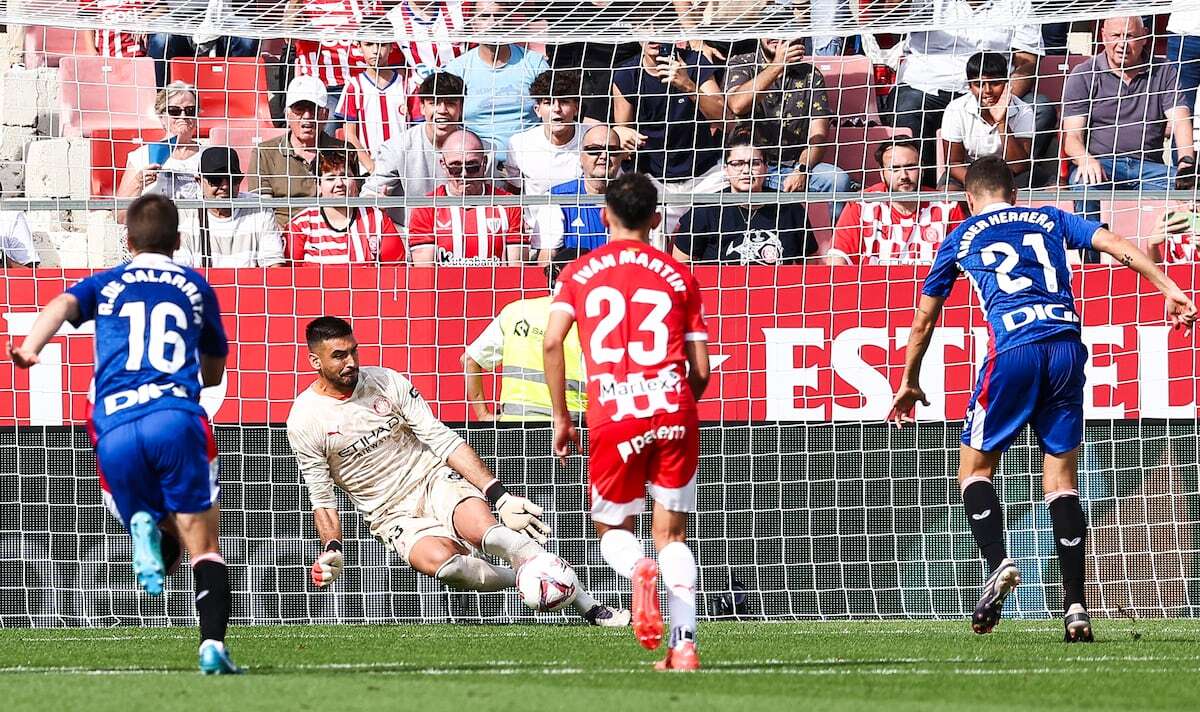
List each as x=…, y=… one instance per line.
x=681, y=657
x=147, y=553
x=1078, y=625
x=607, y=616
x=647, y=616
x=215, y=660
x=1001, y=583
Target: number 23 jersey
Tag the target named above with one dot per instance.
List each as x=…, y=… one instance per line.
x=1015, y=258
x=635, y=306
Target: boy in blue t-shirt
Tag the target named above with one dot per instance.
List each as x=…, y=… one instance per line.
x=1015, y=258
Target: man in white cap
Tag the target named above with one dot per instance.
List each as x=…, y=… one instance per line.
x=282, y=167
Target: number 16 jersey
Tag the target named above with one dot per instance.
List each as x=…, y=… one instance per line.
x=635, y=306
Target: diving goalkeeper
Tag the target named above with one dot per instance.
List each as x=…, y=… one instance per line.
x=421, y=489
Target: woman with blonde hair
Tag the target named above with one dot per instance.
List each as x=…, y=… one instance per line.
x=169, y=166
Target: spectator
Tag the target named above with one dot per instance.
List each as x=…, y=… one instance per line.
x=514, y=339
x=781, y=99
x=164, y=46
x=167, y=167
x=1175, y=238
x=670, y=96
x=423, y=29
x=987, y=121
x=282, y=167
x=544, y=156
x=407, y=164
x=374, y=103
x=339, y=234
x=578, y=228
x=934, y=71
x=497, y=78
x=334, y=60
x=115, y=14
x=16, y=240
x=894, y=231
x=461, y=234
x=1118, y=107
x=1183, y=47
x=746, y=233
x=225, y=236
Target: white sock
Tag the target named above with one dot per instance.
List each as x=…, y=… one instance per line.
x=583, y=601
x=678, y=569
x=466, y=573
x=513, y=547
x=621, y=550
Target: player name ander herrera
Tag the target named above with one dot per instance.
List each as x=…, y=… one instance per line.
x=626, y=257
x=1031, y=216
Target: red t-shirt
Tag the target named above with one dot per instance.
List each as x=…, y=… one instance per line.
x=635, y=306
x=877, y=233
x=466, y=234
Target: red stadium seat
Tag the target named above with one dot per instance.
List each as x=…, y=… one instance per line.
x=854, y=150
x=1052, y=74
x=243, y=140
x=107, y=94
x=848, y=87
x=232, y=91
x=46, y=46
x=110, y=149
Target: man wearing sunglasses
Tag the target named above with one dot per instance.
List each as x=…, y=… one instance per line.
x=457, y=233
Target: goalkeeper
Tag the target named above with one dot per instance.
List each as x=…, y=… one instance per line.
x=420, y=487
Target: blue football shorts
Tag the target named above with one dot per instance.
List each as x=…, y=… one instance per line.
x=1040, y=384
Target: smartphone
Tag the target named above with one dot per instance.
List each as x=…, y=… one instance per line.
x=1192, y=218
x=666, y=49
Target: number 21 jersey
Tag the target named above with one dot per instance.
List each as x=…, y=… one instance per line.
x=635, y=306
x=1015, y=258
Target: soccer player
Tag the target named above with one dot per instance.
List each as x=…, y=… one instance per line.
x=645, y=346
x=420, y=487
x=158, y=340
x=1015, y=258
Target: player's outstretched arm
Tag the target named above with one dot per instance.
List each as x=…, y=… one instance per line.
x=910, y=393
x=1180, y=309
x=64, y=307
x=328, y=565
x=554, y=361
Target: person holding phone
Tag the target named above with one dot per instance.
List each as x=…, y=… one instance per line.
x=154, y=167
x=1175, y=237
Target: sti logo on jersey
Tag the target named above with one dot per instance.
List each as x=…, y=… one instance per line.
x=653, y=390
x=1038, y=312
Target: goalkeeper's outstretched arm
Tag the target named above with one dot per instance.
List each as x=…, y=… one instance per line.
x=1180, y=309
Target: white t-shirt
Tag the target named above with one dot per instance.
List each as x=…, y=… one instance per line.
x=16, y=241
x=936, y=60
x=1186, y=22
x=535, y=165
x=248, y=238
x=380, y=445
x=176, y=179
x=962, y=123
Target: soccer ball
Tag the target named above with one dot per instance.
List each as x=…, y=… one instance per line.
x=547, y=583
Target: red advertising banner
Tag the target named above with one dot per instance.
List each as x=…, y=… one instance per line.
x=808, y=343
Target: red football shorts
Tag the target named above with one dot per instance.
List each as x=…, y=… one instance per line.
x=627, y=455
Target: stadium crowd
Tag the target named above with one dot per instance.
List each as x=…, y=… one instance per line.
x=429, y=117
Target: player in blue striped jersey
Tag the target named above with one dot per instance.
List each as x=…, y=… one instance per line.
x=1015, y=258
x=158, y=340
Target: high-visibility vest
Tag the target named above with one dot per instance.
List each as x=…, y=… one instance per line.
x=524, y=394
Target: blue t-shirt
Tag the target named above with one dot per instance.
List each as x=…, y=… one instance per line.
x=497, y=104
x=1016, y=259
x=153, y=320
x=582, y=228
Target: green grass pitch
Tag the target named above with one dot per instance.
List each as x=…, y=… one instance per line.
x=1023, y=665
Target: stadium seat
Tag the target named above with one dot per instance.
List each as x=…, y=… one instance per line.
x=46, y=46
x=110, y=149
x=848, y=87
x=243, y=140
x=1052, y=74
x=107, y=94
x=854, y=150
x=232, y=91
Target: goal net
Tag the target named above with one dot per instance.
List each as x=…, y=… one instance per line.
x=809, y=245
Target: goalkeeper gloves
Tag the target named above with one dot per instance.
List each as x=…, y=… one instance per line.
x=517, y=513
x=328, y=565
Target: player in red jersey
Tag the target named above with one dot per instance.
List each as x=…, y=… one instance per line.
x=646, y=349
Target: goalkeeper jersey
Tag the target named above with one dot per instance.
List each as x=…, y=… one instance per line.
x=380, y=444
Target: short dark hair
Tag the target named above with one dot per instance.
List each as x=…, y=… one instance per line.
x=153, y=224
x=737, y=139
x=324, y=328
x=561, y=84
x=987, y=65
x=989, y=175
x=632, y=199
x=882, y=149
x=441, y=85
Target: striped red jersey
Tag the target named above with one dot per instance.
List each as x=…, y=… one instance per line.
x=114, y=14
x=467, y=234
x=425, y=40
x=371, y=235
x=1180, y=248
x=334, y=61
x=876, y=233
x=379, y=111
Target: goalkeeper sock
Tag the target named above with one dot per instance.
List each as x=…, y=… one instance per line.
x=471, y=574
x=621, y=550
x=1070, y=539
x=214, y=600
x=513, y=547
x=583, y=601
x=678, y=568
x=986, y=517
